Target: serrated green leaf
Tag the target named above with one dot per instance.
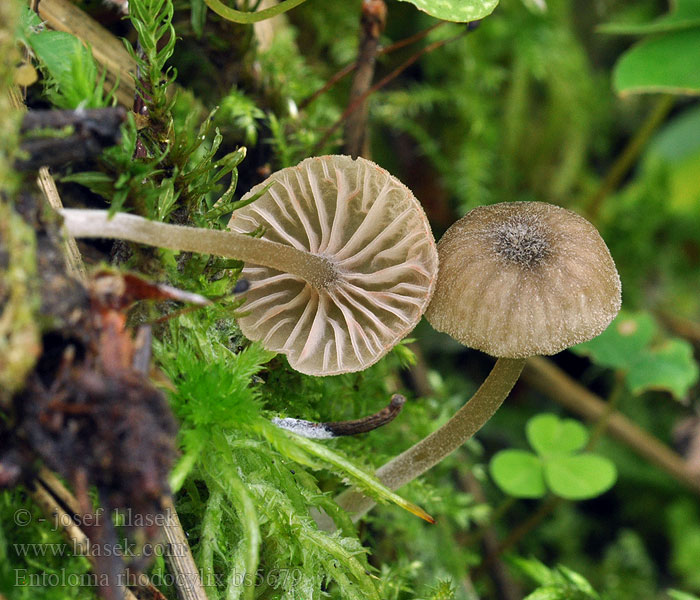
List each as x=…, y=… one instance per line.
x=55, y=49
x=460, y=11
x=667, y=63
x=670, y=367
x=683, y=15
x=518, y=473
x=548, y=434
x=579, y=477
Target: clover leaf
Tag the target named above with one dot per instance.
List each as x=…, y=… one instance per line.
x=558, y=465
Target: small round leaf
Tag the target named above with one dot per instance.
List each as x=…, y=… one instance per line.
x=548, y=434
x=518, y=473
x=579, y=477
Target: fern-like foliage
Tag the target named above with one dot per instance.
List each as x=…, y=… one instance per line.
x=249, y=480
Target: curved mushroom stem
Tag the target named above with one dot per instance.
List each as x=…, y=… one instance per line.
x=431, y=450
x=317, y=270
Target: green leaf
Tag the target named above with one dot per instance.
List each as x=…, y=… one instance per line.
x=667, y=64
x=579, y=477
x=627, y=346
x=685, y=14
x=460, y=11
x=671, y=367
x=518, y=473
x=550, y=592
x=678, y=595
x=622, y=342
x=549, y=434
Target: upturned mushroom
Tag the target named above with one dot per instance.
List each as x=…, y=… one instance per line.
x=344, y=270
x=516, y=279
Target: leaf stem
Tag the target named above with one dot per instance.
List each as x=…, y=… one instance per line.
x=431, y=450
x=241, y=16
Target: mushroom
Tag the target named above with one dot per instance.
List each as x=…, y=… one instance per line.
x=344, y=270
x=516, y=279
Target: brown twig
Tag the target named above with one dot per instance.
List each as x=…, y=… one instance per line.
x=73, y=259
x=372, y=24
x=330, y=429
x=690, y=330
x=54, y=499
x=381, y=83
x=347, y=69
x=187, y=580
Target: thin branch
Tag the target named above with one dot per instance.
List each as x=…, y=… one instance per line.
x=246, y=18
x=347, y=69
x=187, y=580
x=381, y=83
x=372, y=22
x=45, y=495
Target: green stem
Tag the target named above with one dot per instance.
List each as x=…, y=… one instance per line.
x=241, y=16
x=431, y=450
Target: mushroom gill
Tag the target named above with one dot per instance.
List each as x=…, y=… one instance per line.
x=373, y=233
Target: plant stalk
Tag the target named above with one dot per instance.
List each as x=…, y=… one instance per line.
x=431, y=450
x=316, y=270
x=244, y=17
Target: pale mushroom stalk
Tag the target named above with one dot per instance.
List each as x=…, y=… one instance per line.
x=83, y=223
x=442, y=442
x=516, y=279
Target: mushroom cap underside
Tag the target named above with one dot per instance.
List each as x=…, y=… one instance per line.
x=371, y=228
x=519, y=279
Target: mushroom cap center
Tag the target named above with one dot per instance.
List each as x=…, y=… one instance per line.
x=523, y=241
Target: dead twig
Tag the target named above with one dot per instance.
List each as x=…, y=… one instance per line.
x=372, y=24
x=357, y=103
x=347, y=69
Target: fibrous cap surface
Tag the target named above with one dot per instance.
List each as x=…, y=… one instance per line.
x=519, y=279
x=374, y=232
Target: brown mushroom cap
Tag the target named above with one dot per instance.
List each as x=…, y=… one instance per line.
x=519, y=279
x=374, y=234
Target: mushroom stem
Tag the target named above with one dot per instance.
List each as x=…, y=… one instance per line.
x=431, y=450
x=317, y=270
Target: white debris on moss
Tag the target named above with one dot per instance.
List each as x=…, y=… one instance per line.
x=307, y=429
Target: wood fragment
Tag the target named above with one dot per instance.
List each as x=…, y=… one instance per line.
x=180, y=559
